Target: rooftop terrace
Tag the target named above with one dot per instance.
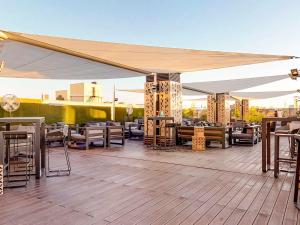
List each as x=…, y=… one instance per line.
x=135, y=185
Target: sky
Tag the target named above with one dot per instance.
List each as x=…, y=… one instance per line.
x=255, y=26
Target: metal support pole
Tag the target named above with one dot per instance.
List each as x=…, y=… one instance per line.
x=113, y=104
x=154, y=107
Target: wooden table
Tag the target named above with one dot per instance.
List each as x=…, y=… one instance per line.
x=266, y=139
x=39, y=142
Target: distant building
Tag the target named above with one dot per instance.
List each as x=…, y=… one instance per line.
x=81, y=92
x=45, y=97
x=85, y=92
x=62, y=95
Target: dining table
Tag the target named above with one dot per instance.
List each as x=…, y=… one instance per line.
x=39, y=139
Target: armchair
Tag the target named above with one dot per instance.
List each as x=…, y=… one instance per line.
x=136, y=131
x=90, y=135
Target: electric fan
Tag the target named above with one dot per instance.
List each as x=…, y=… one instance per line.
x=10, y=103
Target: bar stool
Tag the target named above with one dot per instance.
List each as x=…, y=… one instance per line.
x=277, y=158
x=297, y=178
x=168, y=142
x=17, y=161
x=58, y=135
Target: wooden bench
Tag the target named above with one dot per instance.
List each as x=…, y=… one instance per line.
x=185, y=133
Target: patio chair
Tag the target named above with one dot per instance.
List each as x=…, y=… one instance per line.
x=248, y=135
x=89, y=135
x=115, y=133
x=136, y=131
x=126, y=129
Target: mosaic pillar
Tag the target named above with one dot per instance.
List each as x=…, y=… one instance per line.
x=168, y=99
x=245, y=109
x=148, y=106
x=223, y=108
x=211, y=109
x=237, y=110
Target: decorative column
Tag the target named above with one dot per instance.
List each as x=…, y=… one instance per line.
x=223, y=108
x=211, y=108
x=168, y=98
x=245, y=109
x=237, y=109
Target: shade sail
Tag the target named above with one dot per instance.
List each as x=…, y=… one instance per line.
x=39, y=56
x=223, y=86
x=261, y=94
x=27, y=61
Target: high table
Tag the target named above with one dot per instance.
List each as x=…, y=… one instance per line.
x=39, y=142
x=266, y=139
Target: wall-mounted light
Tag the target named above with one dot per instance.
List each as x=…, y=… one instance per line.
x=294, y=74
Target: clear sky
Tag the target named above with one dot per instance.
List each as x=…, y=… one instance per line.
x=270, y=26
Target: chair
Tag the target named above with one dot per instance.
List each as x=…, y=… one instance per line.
x=136, y=131
x=17, y=158
x=89, y=135
x=126, y=129
x=217, y=134
x=248, y=135
x=58, y=135
x=115, y=133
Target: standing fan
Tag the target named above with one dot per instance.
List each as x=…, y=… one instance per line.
x=10, y=103
x=129, y=110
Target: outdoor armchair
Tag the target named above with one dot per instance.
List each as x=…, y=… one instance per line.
x=90, y=135
x=136, y=131
x=115, y=133
x=248, y=135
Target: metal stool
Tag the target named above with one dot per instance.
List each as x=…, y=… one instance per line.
x=58, y=135
x=17, y=161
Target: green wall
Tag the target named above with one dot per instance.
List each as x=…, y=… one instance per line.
x=72, y=114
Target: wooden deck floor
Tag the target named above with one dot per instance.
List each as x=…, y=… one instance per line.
x=133, y=185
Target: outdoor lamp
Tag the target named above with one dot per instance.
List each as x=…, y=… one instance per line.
x=294, y=74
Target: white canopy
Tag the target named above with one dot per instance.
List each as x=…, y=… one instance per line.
x=261, y=94
x=27, y=61
x=38, y=56
x=224, y=86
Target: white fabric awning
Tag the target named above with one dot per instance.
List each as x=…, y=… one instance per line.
x=224, y=86
x=38, y=56
x=261, y=94
x=27, y=61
